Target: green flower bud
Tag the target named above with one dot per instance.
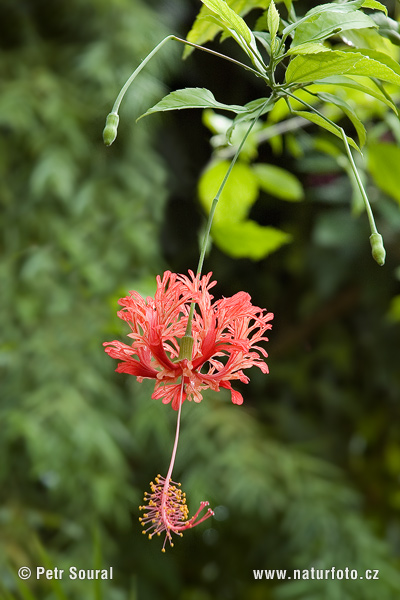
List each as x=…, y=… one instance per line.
x=378, y=250
x=110, y=130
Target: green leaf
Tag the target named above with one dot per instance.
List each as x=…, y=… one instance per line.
x=382, y=57
x=235, y=26
x=321, y=8
x=203, y=31
x=264, y=38
x=273, y=20
x=337, y=6
x=321, y=122
x=374, y=4
x=388, y=28
x=278, y=182
x=304, y=69
x=229, y=17
x=247, y=43
x=344, y=81
x=238, y=196
x=191, y=98
x=349, y=112
x=248, y=239
x=383, y=163
x=307, y=48
x=320, y=27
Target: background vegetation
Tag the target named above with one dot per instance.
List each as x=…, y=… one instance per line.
x=306, y=472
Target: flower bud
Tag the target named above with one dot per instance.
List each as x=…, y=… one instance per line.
x=378, y=250
x=110, y=130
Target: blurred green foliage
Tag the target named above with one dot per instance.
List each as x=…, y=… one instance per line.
x=79, y=226
x=306, y=472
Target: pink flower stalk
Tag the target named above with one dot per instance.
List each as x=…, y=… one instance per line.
x=165, y=506
x=222, y=342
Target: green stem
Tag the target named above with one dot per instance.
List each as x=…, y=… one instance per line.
x=214, y=206
x=314, y=110
x=156, y=49
x=360, y=184
x=351, y=160
x=221, y=187
x=378, y=250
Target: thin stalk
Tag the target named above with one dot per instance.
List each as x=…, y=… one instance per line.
x=315, y=110
x=221, y=187
x=173, y=456
x=214, y=206
x=351, y=160
x=156, y=49
x=360, y=184
x=376, y=241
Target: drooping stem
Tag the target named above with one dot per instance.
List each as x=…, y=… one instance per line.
x=349, y=156
x=360, y=184
x=378, y=250
x=111, y=127
x=156, y=49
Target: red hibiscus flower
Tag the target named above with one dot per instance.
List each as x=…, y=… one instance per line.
x=224, y=340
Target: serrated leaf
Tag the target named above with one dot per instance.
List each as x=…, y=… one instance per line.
x=203, y=32
x=248, y=239
x=336, y=62
x=273, y=20
x=238, y=196
x=349, y=112
x=191, y=98
x=382, y=57
x=320, y=27
x=383, y=163
x=278, y=182
x=321, y=122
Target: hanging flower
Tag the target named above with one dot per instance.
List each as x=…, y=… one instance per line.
x=166, y=510
x=224, y=340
